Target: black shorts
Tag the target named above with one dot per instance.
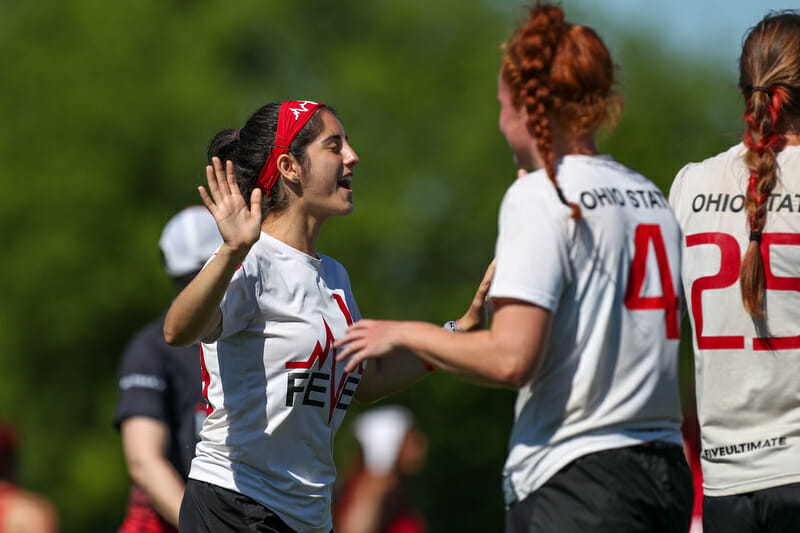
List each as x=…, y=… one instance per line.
x=207, y=508
x=646, y=488
x=776, y=509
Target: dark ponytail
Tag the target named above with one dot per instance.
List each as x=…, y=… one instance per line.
x=249, y=146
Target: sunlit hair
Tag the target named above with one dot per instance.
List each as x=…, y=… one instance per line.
x=769, y=78
x=249, y=146
x=560, y=72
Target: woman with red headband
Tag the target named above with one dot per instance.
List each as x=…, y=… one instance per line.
x=740, y=214
x=268, y=308
x=586, y=297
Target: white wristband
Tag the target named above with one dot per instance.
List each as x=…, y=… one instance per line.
x=453, y=325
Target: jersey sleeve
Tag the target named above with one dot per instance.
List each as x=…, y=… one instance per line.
x=350, y=298
x=676, y=190
x=239, y=303
x=532, y=253
x=143, y=379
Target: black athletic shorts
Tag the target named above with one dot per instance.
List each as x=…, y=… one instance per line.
x=207, y=508
x=645, y=488
x=776, y=509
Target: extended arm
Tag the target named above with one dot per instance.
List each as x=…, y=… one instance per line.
x=195, y=312
x=401, y=369
x=144, y=442
x=509, y=354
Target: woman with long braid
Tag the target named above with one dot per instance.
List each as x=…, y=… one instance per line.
x=586, y=296
x=741, y=273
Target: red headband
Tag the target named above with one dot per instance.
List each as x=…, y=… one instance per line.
x=291, y=119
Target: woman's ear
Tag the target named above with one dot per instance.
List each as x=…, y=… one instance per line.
x=289, y=168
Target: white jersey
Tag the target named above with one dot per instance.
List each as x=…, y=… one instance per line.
x=609, y=376
x=747, y=379
x=276, y=393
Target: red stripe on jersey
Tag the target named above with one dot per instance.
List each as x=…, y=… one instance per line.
x=343, y=307
x=206, y=379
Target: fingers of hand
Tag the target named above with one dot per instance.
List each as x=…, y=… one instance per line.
x=222, y=181
x=206, y=199
x=487, y=279
x=233, y=187
x=350, y=366
x=211, y=177
x=490, y=271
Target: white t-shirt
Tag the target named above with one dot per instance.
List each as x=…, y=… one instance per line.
x=748, y=396
x=275, y=390
x=609, y=376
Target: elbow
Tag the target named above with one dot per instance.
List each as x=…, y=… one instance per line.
x=512, y=377
x=516, y=370
x=171, y=336
x=174, y=337
x=137, y=468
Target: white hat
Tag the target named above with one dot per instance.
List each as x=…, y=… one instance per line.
x=188, y=240
x=381, y=432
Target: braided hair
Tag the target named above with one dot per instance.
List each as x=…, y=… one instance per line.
x=560, y=72
x=769, y=78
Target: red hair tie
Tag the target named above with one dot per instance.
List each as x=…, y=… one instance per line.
x=759, y=198
x=292, y=117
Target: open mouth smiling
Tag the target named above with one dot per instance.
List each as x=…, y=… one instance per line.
x=345, y=182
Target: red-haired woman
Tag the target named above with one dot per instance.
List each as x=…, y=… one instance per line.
x=586, y=296
x=740, y=213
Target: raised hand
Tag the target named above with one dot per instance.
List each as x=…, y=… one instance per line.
x=367, y=339
x=478, y=314
x=239, y=224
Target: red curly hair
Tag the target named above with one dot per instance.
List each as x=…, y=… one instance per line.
x=560, y=72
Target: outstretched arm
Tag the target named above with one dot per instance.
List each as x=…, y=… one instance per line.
x=509, y=354
x=402, y=368
x=195, y=312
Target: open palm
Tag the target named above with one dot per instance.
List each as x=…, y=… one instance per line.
x=239, y=224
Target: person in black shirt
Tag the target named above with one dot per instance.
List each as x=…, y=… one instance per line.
x=160, y=407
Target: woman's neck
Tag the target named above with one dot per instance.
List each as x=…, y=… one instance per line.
x=295, y=229
x=792, y=129
x=570, y=145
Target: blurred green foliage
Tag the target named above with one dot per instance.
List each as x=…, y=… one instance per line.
x=105, y=111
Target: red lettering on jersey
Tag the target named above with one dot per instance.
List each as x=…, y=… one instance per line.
x=730, y=261
x=668, y=301
x=777, y=283
x=321, y=354
x=318, y=353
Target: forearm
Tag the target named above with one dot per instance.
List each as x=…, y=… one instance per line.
x=195, y=311
x=509, y=354
x=477, y=357
x=161, y=482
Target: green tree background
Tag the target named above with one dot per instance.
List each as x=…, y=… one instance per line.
x=105, y=112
